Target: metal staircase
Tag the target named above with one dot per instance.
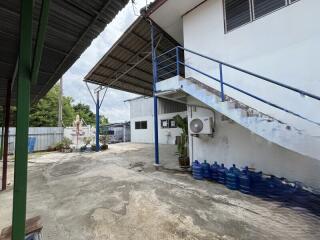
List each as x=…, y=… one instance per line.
x=172, y=84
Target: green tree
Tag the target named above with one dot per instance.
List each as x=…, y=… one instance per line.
x=85, y=113
x=44, y=113
x=68, y=112
x=103, y=120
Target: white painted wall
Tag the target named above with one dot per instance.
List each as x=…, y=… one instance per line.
x=166, y=135
x=142, y=110
x=283, y=46
x=234, y=144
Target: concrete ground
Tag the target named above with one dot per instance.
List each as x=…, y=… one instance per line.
x=119, y=195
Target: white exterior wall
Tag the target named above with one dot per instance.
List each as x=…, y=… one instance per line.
x=142, y=110
x=234, y=144
x=283, y=46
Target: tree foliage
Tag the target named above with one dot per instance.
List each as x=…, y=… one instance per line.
x=45, y=112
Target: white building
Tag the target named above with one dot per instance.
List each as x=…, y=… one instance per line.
x=141, y=118
x=277, y=39
x=116, y=132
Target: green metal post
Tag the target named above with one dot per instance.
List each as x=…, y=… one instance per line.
x=2, y=131
x=23, y=107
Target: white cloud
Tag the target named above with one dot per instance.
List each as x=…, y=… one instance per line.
x=113, y=106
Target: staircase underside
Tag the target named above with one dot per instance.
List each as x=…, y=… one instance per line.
x=271, y=129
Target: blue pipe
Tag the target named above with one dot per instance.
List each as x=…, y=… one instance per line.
x=97, y=123
x=155, y=98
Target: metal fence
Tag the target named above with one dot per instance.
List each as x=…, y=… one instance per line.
x=46, y=137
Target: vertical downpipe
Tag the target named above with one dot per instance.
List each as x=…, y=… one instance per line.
x=23, y=107
x=155, y=98
x=97, y=123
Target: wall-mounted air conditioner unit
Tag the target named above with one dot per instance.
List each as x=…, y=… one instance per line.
x=201, y=125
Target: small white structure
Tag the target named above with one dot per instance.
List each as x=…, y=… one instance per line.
x=141, y=118
x=77, y=137
x=116, y=132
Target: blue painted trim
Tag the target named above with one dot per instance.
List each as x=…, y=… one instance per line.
x=222, y=83
x=178, y=62
x=155, y=98
x=97, y=123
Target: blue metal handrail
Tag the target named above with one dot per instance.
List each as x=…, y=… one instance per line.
x=178, y=62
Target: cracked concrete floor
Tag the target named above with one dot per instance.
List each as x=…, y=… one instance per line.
x=119, y=195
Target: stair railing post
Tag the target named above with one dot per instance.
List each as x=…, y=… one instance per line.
x=221, y=82
x=178, y=61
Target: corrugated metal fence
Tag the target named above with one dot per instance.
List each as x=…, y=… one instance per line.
x=46, y=137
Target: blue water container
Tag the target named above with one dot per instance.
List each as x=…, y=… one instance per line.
x=197, y=170
x=274, y=187
x=206, y=170
x=222, y=174
x=215, y=171
x=258, y=183
x=31, y=144
x=245, y=181
x=232, y=178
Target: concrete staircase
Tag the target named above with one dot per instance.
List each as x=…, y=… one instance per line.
x=257, y=122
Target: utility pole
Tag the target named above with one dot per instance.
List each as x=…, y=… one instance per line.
x=60, y=103
x=98, y=104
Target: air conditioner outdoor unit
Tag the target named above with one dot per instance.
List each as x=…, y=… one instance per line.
x=201, y=125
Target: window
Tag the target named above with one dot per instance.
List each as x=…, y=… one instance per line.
x=237, y=13
x=141, y=125
x=172, y=124
x=110, y=132
x=240, y=12
x=263, y=7
x=168, y=123
x=164, y=123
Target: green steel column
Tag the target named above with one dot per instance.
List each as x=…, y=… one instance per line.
x=23, y=106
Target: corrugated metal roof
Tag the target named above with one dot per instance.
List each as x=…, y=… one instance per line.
x=72, y=26
x=119, y=67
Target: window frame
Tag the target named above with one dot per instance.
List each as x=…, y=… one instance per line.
x=252, y=13
x=164, y=121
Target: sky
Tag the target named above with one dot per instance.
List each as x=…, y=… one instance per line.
x=113, y=107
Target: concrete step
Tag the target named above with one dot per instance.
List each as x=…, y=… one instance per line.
x=257, y=122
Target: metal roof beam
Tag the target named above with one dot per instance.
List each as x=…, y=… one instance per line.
x=145, y=92
x=13, y=37
x=123, y=82
x=80, y=38
x=122, y=73
x=140, y=69
x=129, y=75
x=146, y=46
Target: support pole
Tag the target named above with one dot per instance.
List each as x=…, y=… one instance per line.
x=23, y=107
x=6, y=136
x=97, y=123
x=155, y=98
x=2, y=131
x=60, y=104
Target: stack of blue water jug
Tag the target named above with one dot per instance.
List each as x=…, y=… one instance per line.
x=246, y=181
